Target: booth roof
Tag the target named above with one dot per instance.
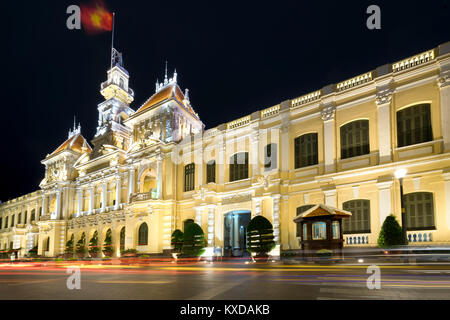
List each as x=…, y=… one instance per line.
x=322, y=210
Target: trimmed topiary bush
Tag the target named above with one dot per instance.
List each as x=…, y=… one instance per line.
x=93, y=245
x=107, y=245
x=81, y=245
x=177, y=240
x=391, y=233
x=193, y=241
x=260, y=239
x=69, y=246
x=33, y=252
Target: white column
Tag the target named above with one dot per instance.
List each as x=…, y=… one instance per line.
x=211, y=226
x=276, y=218
x=447, y=197
x=131, y=183
x=257, y=211
x=284, y=150
x=91, y=199
x=118, y=192
x=236, y=231
x=222, y=161
x=104, y=195
x=254, y=152
x=198, y=216
x=159, y=172
x=383, y=101
x=80, y=202
x=444, y=85
x=58, y=204
x=328, y=113
x=384, y=200
x=44, y=204
x=330, y=197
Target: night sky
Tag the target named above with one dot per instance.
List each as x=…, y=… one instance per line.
x=235, y=58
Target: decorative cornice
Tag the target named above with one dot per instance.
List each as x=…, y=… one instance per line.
x=328, y=112
x=384, y=96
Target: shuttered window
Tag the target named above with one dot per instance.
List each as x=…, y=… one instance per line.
x=359, y=222
x=306, y=150
x=189, y=173
x=419, y=208
x=270, y=157
x=355, y=139
x=414, y=125
x=211, y=171
x=239, y=166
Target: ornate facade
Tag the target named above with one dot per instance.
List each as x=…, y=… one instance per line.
x=150, y=171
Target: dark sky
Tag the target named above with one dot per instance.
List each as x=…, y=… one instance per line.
x=235, y=57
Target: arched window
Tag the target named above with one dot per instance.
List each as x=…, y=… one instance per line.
x=143, y=235
x=19, y=218
x=122, y=239
x=33, y=215
x=355, y=139
x=187, y=222
x=189, y=177
x=306, y=150
x=211, y=171
x=6, y=222
x=25, y=217
x=12, y=220
x=359, y=222
x=1, y=225
x=121, y=83
x=300, y=210
x=414, y=125
x=319, y=230
x=419, y=208
x=149, y=184
x=239, y=166
x=270, y=157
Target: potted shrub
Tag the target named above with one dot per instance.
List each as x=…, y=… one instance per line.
x=129, y=253
x=107, y=245
x=260, y=239
x=81, y=246
x=193, y=241
x=93, y=245
x=33, y=252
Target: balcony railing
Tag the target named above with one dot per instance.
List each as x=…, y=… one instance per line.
x=107, y=83
x=152, y=195
x=238, y=123
x=355, y=81
x=413, y=61
x=420, y=236
x=306, y=98
x=270, y=111
x=356, y=239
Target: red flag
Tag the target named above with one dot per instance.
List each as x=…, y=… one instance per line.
x=96, y=18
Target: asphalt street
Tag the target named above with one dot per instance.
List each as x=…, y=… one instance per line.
x=221, y=280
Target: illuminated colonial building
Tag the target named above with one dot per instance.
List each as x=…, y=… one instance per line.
x=151, y=171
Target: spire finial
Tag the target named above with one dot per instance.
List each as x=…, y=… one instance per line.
x=74, y=121
x=165, y=75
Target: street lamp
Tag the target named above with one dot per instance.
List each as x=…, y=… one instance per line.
x=400, y=174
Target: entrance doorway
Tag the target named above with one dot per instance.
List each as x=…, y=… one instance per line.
x=235, y=230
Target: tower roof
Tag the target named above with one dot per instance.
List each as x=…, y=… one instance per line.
x=75, y=143
x=172, y=91
x=322, y=210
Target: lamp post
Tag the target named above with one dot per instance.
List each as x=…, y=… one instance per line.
x=400, y=174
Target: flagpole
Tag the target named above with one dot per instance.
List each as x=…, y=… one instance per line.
x=112, y=41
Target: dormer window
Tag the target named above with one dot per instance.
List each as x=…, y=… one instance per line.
x=121, y=83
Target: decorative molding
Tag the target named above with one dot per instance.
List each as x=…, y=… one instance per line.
x=328, y=112
x=237, y=198
x=384, y=96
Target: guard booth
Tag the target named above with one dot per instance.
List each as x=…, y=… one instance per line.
x=320, y=229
